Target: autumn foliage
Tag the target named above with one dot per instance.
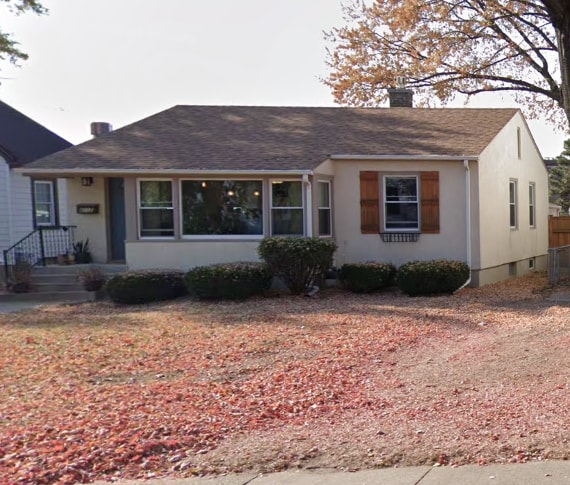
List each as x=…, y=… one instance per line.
x=447, y=47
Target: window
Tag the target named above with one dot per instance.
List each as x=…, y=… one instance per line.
x=286, y=208
x=222, y=207
x=156, y=208
x=513, y=204
x=44, y=203
x=531, y=205
x=324, y=208
x=401, y=203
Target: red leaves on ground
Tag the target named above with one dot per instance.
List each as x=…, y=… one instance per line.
x=99, y=391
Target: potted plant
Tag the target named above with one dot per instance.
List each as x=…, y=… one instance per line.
x=92, y=279
x=81, y=252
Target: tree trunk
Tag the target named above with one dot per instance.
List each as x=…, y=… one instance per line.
x=559, y=12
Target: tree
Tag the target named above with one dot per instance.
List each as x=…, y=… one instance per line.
x=445, y=47
x=560, y=179
x=9, y=49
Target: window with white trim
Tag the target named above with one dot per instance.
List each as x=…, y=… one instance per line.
x=222, y=207
x=287, y=213
x=401, y=203
x=44, y=203
x=156, y=210
x=513, y=204
x=324, y=208
x=531, y=204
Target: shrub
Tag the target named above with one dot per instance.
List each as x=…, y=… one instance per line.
x=135, y=287
x=367, y=277
x=431, y=277
x=233, y=281
x=299, y=261
x=21, y=281
x=92, y=278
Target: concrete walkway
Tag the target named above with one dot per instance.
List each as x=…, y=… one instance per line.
x=535, y=473
x=18, y=306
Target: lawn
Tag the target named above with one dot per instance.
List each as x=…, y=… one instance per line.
x=101, y=391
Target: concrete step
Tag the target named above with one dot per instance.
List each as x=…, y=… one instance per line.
x=40, y=287
x=47, y=297
x=57, y=279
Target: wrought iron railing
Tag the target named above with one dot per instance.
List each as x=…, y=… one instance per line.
x=38, y=247
x=558, y=264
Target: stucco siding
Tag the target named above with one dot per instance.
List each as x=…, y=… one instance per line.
x=353, y=246
x=188, y=254
x=92, y=226
x=499, y=163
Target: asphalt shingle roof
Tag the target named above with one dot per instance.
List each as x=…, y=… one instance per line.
x=278, y=138
x=23, y=140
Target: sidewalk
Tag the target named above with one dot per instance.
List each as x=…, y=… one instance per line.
x=535, y=473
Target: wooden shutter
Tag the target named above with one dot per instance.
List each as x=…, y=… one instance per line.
x=369, y=203
x=430, y=202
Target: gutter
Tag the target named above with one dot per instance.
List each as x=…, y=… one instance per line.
x=467, y=221
x=462, y=158
x=103, y=171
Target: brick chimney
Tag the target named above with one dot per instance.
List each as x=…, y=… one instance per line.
x=401, y=98
x=99, y=128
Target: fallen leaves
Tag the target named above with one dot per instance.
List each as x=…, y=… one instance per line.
x=98, y=391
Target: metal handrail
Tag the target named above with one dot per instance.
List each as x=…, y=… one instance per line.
x=39, y=245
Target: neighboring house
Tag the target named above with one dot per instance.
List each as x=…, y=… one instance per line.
x=195, y=185
x=554, y=209
x=26, y=204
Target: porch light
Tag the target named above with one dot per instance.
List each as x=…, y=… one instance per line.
x=204, y=184
x=256, y=193
x=231, y=193
x=86, y=181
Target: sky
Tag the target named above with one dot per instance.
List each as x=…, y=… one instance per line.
x=122, y=60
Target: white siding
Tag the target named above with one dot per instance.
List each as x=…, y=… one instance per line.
x=22, y=216
x=62, y=202
x=5, y=232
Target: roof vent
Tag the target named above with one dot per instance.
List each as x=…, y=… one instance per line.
x=99, y=128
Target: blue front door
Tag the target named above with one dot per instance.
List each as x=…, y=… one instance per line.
x=117, y=219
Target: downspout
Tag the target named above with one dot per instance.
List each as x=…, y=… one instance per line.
x=309, y=195
x=467, y=221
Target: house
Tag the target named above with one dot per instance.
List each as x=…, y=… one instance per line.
x=26, y=204
x=195, y=185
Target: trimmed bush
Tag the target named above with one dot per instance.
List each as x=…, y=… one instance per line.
x=232, y=281
x=298, y=261
x=134, y=287
x=431, y=277
x=367, y=277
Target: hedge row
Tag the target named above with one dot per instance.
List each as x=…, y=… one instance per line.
x=300, y=263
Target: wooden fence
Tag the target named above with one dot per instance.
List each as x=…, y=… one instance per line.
x=558, y=231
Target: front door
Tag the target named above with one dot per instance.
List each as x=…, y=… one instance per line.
x=117, y=229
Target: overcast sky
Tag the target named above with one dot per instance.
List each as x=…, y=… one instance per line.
x=123, y=60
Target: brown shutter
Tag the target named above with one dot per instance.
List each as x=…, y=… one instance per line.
x=369, y=203
x=430, y=202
